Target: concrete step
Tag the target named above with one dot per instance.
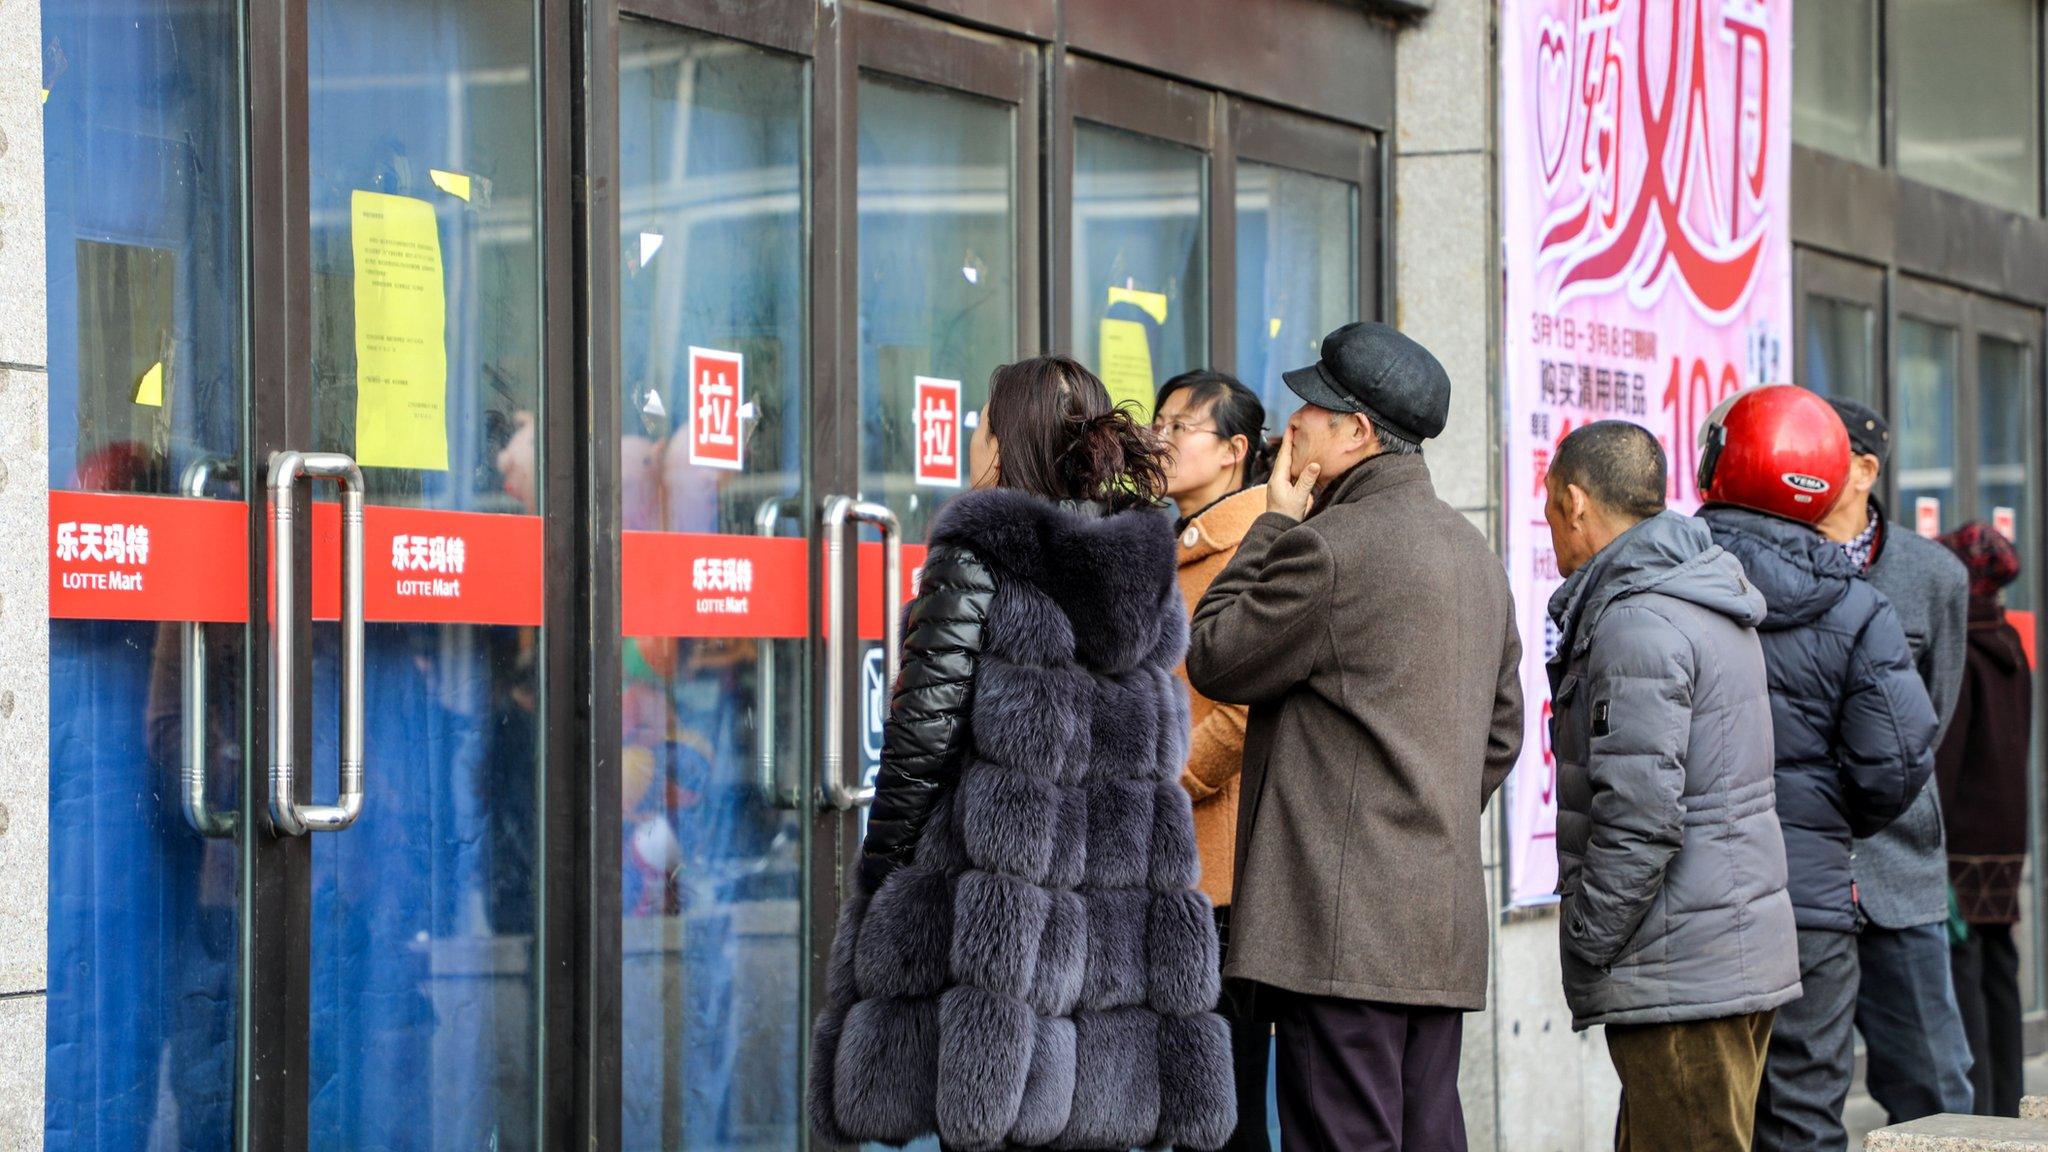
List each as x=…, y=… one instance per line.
x=1961, y=1134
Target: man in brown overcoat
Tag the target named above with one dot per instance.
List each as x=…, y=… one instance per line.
x=1370, y=628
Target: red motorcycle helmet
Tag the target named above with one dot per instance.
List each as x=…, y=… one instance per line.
x=1779, y=450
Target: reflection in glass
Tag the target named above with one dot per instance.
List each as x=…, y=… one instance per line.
x=1834, y=77
x=711, y=144
x=423, y=983
x=1297, y=274
x=1923, y=427
x=938, y=280
x=1141, y=260
x=1968, y=89
x=2005, y=456
x=142, y=201
x=1840, y=338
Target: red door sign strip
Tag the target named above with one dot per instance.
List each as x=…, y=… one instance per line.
x=717, y=404
x=700, y=584
x=428, y=567
x=939, y=450
x=121, y=557
x=692, y=584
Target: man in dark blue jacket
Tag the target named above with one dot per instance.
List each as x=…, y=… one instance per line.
x=1853, y=726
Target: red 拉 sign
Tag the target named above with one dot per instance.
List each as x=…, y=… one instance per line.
x=717, y=404
x=938, y=432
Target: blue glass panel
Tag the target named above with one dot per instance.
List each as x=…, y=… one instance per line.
x=1297, y=275
x=1140, y=225
x=142, y=212
x=712, y=252
x=424, y=989
x=938, y=280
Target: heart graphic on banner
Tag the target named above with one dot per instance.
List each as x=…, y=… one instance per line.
x=1553, y=75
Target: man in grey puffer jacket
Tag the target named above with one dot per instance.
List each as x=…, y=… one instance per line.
x=1918, y=1058
x=1677, y=929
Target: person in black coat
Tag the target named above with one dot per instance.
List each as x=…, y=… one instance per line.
x=1982, y=773
x=1026, y=961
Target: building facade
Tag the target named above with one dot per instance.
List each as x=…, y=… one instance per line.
x=647, y=334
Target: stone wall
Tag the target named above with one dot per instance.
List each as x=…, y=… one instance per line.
x=1526, y=1073
x=24, y=581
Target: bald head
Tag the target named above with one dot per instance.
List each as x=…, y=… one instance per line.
x=1619, y=465
x=1607, y=478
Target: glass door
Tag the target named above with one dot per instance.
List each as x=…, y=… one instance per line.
x=424, y=270
x=715, y=508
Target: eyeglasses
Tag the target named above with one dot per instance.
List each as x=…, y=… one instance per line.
x=1175, y=429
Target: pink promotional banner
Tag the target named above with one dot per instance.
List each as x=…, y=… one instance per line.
x=1645, y=147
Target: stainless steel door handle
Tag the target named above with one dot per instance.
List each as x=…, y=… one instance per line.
x=203, y=819
x=842, y=793
x=767, y=781
x=291, y=817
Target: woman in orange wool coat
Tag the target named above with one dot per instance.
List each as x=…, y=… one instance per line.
x=1215, y=427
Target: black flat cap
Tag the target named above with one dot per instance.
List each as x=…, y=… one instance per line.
x=1374, y=369
x=1869, y=435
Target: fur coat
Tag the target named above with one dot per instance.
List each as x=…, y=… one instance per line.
x=1042, y=972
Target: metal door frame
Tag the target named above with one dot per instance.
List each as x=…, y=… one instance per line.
x=1972, y=316
x=273, y=1017
x=1174, y=111
x=1226, y=128
x=1263, y=134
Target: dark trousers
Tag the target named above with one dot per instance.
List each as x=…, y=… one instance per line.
x=1812, y=1055
x=1691, y=1086
x=1987, y=976
x=1357, y=1076
x=1916, y=1057
x=1251, y=1037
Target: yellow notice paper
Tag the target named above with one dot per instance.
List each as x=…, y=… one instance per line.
x=150, y=390
x=1125, y=360
x=453, y=183
x=401, y=335
x=1153, y=304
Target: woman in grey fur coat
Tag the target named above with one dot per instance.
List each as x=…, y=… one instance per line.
x=1026, y=962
